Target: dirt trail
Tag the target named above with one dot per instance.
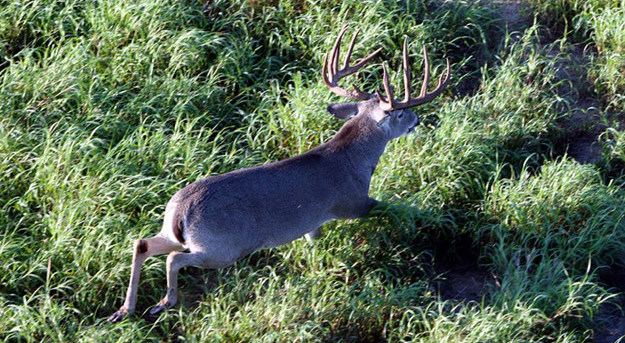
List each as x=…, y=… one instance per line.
x=467, y=281
x=512, y=14
x=582, y=129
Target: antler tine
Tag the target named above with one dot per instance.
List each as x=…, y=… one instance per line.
x=392, y=104
x=389, y=102
x=442, y=83
x=406, y=71
x=362, y=62
x=426, y=77
x=350, y=49
x=324, y=69
x=336, y=51
x=446, y=74
x=330, y=68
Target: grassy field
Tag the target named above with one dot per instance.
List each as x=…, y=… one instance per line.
x=107, y=108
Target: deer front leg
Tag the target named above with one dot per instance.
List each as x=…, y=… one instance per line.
x=143, y=248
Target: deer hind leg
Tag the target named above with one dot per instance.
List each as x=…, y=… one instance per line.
x=143, y=248
x=178, y=260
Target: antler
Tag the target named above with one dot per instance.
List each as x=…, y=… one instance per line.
x=390, y=103
x=331, y=73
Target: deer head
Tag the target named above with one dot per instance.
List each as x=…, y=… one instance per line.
x=392, y=115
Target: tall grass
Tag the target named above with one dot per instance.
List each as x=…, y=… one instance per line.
x=107, y=108
x=600, y=25
x=607, y=69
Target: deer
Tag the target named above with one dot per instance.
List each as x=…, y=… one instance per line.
x=214, y=222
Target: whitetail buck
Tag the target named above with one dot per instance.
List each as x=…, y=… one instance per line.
x=223, y=218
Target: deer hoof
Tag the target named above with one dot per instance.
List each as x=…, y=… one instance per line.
x=160, y=307
x=118, y=316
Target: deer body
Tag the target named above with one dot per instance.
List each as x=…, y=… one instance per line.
x=223, y=218
x=273, y=204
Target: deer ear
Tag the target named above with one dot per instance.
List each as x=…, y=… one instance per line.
x=343, y=111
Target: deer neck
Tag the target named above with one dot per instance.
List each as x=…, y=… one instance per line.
x=361, y=142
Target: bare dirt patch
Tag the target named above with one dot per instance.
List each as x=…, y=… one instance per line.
x=462, y=281
x=609, y=324
x=610, y=321
x=581, y=129
x=512, y=13
x=458, y=275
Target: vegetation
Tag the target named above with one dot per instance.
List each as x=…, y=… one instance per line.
x=107, y=108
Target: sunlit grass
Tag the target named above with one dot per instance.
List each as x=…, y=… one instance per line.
x=107, y=108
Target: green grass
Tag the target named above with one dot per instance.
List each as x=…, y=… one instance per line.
x=599, y=25
x=107, y=108
x=607, y=69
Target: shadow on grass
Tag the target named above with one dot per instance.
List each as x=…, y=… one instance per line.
x=610, y=321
